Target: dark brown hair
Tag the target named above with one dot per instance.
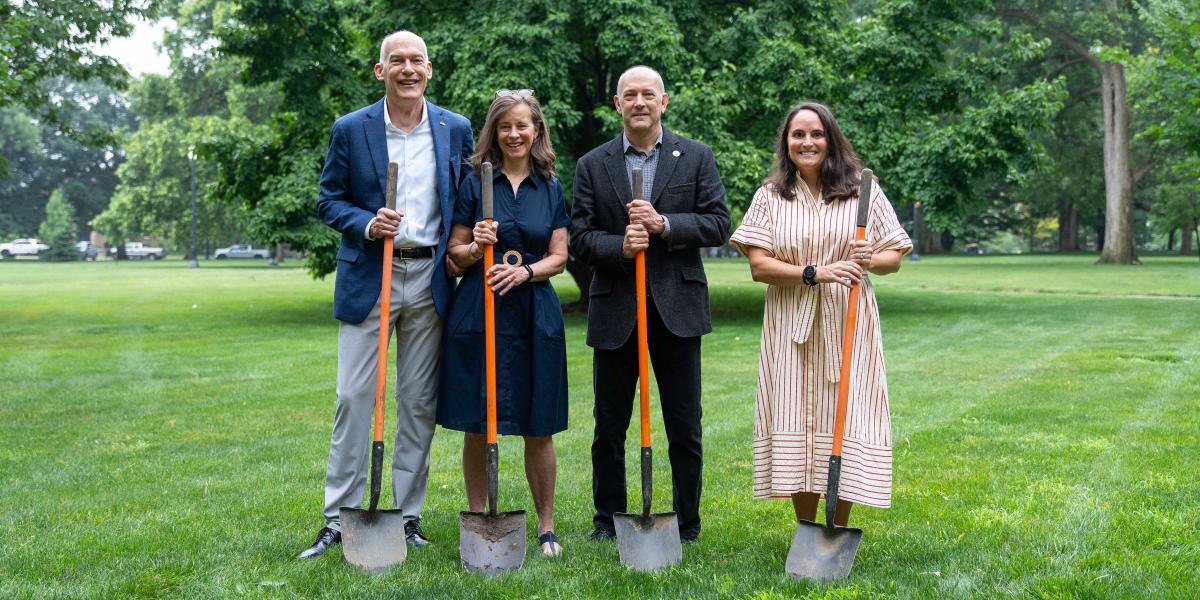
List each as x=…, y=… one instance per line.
x=839, y=170
x=541, y=154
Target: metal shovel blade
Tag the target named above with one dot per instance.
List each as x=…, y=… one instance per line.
x=373, y=541
x=648, y=542
x=491, y=543
x=822, y=553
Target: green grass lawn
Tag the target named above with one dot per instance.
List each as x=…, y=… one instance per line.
x=165, y=432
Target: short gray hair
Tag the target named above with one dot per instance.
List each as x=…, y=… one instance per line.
x=396, y=34
x=621, y=81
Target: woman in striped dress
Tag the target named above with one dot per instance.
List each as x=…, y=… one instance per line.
x=799, y=236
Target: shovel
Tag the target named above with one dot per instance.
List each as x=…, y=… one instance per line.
x=491, y=542
x=646, y=541
x=827, y=552
x=373, y=540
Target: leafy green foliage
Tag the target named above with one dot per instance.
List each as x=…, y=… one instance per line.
x=926, y=90
x=1168, y=75
x=42, y=158
x=58, y=230
x=42, y=40
x=154, y=196
x=200, y=106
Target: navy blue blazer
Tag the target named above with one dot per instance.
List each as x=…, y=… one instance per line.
x=352, y=186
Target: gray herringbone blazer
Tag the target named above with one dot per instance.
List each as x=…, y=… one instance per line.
x=688, y=190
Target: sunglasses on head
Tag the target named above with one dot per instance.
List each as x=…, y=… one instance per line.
x=522, y=93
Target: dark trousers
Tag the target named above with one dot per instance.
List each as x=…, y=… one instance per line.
x=676, y=363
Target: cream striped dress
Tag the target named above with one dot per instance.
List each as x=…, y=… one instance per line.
x=800, y=355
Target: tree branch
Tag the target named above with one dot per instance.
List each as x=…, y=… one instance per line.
x=1141, y=171
x=1063, y=67
x=1080, y=97
x=1067, y=39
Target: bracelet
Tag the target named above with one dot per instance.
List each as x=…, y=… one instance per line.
x=529, y=269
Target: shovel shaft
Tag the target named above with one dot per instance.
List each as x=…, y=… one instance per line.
x=376, y=473
x=839, y=424
x=647, y=480
x=831, y=490
x=865, y=190
x=643, y=350
x=385, y=305
x=642, y=339
x=489, y=310
x=489, y=332
x=493, y=476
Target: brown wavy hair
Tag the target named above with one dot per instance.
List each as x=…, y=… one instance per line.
x=541, y=153
x=839, y=170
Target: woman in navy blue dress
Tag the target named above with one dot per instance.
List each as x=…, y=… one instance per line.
x=530, y=217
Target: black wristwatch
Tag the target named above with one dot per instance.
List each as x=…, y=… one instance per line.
x=809, y=275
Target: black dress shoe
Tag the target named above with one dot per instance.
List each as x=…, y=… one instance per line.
x=414, y=535
x=600, y=534
x=325, y=538
x=690, y=536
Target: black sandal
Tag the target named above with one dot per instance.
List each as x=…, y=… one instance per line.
x=549, y=538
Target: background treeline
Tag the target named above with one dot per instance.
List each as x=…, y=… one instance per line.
x=1027, y=125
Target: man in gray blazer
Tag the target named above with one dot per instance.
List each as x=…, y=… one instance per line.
x=686, y=211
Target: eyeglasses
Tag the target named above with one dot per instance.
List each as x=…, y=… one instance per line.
x=522, y=93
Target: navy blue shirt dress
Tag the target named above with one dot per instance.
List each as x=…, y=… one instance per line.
x=531, y=356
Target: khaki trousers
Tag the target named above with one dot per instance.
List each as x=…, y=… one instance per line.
x=417, y=337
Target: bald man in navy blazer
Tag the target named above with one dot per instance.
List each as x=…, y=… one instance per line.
x=431, y=145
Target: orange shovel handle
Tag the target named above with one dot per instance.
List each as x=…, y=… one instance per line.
x=642, y=349
x=489, y=333
x=385, y=305
x=839, y=423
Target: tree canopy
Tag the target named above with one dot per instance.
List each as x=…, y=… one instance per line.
x=929, y=92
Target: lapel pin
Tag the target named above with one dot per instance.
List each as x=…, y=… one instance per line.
x=675, y=154
x=442, y=123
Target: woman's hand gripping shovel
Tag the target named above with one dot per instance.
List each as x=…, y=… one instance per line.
x=822, y=552
x=491, y=542
x=373, y=540
x=646, y=541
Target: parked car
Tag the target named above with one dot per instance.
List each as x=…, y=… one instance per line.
x=973, y=248
x=22, y=247
x=87, y=251
x=241, y=251
x=138, y=250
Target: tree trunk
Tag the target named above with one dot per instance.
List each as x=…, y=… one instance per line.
x=1185, y=242
x=1170, y=240
x=928, y=240
x=1068, y=227
x=947, y=241
x=1118, y=180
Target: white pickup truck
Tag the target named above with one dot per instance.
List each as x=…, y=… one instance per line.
x=22, y=247
x=137, y=250
x=241, y=251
